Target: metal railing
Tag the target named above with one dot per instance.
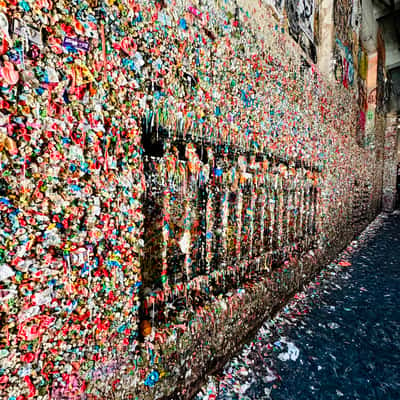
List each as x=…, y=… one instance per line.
x=215, y=220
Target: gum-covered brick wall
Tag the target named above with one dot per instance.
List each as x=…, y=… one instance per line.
x=156, y=159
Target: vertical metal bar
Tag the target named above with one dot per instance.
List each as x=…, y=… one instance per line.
x=251, y=230
x=238, y=244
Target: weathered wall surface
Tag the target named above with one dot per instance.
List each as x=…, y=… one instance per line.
x=390, y=163
x=170, y=173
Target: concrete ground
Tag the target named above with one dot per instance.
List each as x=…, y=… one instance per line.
x=339, y=339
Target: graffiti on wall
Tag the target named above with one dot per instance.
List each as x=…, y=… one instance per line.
x=381, y=82
x=344, y=66
x=277, y=5
x=362, y=63
x=342, y=17
x=372, y=97
x=363, y=106
x=363, y=96
x=301, y=15
x=344, y=20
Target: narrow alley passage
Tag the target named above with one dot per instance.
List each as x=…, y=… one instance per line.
x=339, y=339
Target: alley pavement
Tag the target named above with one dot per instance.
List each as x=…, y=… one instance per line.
x=339, y=339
